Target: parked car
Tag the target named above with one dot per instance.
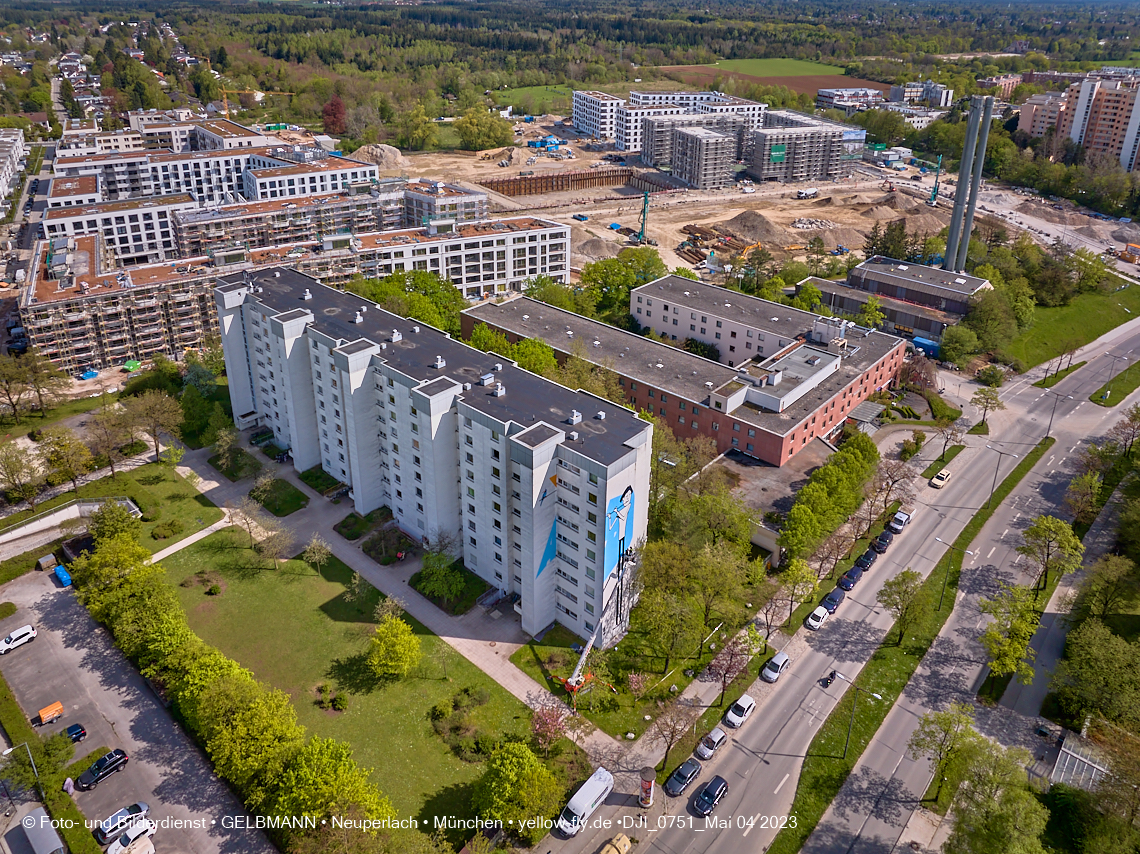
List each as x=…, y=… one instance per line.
x=76, y=733
x=899, y=522
x=850, y=578
x=740, y=711
x=682, y=778
x=133, y=832
x=776, y=665
x=816, y=618
x=711, y=743
x=833, y=600
x=114, y=825
x=866, y=560
x=103, y=768
x=939, y=480
x=882, y=542
x=18, y=637
x=711, y=795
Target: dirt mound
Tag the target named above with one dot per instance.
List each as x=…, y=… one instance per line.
x=1129, y=233
x=387, y=158
x=595, y=249
x=1089, y=231
x=1045, y=212
x=832, y=237
x=823, y=203
x=926, y=223
x=882, y=213
x=757, y=228
x=514, y=156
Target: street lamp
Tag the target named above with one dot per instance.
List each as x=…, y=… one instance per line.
x=851, y=723
x=1108, y=385
x=1057, y=398
x=1000, y=454
x=946, y=577
x=30, y=759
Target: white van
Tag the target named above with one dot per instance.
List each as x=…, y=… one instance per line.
x=585, y=801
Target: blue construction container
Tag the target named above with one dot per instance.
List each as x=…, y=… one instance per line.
x=930, y=348
x=63, y=575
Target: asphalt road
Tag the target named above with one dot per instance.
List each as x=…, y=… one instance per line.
x=74, y=661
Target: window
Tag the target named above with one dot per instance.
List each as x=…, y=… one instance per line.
x=592, y=498
x=494, y=471
x=470, y=492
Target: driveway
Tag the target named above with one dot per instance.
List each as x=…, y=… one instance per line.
x=73, y=660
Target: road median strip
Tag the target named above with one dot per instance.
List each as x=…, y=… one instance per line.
x=887, y=673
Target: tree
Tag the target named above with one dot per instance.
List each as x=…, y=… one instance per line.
x=44, y=379
x=1083, y=496
x=1126, y=431
x=278, y=542
x=226, y=447
x=944, y=737
x=534, y=356
x=816, y=255
x=991, y=376
x=113, y=519
x=958, y=342
x=322, y=779
x=892, y=482
x=263, y=487
x=416, y=131
x=714, y=517
x=902, y=597
x=500, y=793
x=800, y=531
x=949, y=432
x=671, y=622
x=13, y=384
x=672, y=723
x=800, y=582
x=488, y=340
x=479, y=129
x=201, y=379
x=155, y=412
x=250, y=515
x=729, y=663
x=395, y=649
x=440, y=577
x=995, y=813
x=987, y=400
x=1051, y=545
x=1006, y=639
x=719, y=579
x=1109, y=586
x=316, y=553
x=20, y=473
x=333, y=116
x=63, y=456
x=667, y=567
x=100, y=575
x=548, y=725
x=108, y=432
x=832, y=550
x=1099, y=675
x=871, y=314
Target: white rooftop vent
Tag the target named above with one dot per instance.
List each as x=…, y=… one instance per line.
x=439, y=362
x=486, y=379
x=959, y=281
x=575, y=417
x=416, y=329
x=573, y=434
x=497, y=367
x=570, y=332
x=363, y=309
x=499, y=390
x=306, y=294
x=526, y=317
x=708, y=385
x=658, y=365
x=686, y=293
x=903, y=267
x=383, y=345
x=728, y=305
x=601, y=416
x=775, y=320
x=277, y=274
x=467, y=386
x=597, y=343
x=359, y=318
x=396, y=336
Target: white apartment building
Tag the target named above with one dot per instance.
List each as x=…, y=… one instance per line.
x=917, y=117
x=595, y=113
x=629, y=127
x=848, y=100
x=11, y=153
x=935, y=94
x=545, y=488
x=272, y=176
x=135, y=231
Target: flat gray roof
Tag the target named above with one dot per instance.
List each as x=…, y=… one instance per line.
x=528, y=400
x=827, y=286
x=932, y=280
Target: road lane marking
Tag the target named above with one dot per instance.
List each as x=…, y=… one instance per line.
x=1073, y=448
x=755, y=819
x=782, y=782
x=1003, y=533
x=1051, y=460
x=991, y=554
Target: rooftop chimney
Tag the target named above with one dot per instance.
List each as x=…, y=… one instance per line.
x=306, y=294
x=575, y=417
x=499, y=390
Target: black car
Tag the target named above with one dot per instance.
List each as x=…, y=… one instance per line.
x=711, y=795
x=103, y=768
x=76, y=733
x=866, y=560
x=680, y=779
x=850, y=578
x=882, y=542
x=833, y=600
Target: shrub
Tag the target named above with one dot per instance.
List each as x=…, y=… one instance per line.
x=991, y=375
x=909, y=449
x=340, y=702
x=442, y=710
x=152, y=514
x=166, y=530
x=213, y=590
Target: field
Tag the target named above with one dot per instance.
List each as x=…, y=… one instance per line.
x=536, y=100
x=296, y=630
x=795, y=74
x=1086, y=318
x=778, y=67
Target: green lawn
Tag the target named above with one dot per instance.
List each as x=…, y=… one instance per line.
x=473, y=588
x=244, y=465
x=296, y=630
x=536, y=100
x=284, y=498
x=354, y=526
x=777, y=67
x=940, y=463
x=825, y=768
x=1118, y=388
x=1087, y=317
x=160, y=493
x=982, y=428
x=37, y=421
x=319, y=479
x=1057, y=376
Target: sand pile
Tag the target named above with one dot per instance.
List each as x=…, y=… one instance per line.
x=881, y=213
x=1128, y=233
x=832, y=237
x=1045, y=212
x=927, y=223
x=387, y=158
x=757, y=228
x=823, y=203
x=594, y=249
x=1089, y=231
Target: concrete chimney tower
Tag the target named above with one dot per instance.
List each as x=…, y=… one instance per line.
x=965, y=169
x=975, y=183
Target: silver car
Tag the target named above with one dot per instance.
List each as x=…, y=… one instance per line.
x=711, y=743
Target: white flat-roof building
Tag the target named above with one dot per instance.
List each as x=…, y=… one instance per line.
x=595, y=113
x=542, y=487
x=641, y=105
x=11, y=153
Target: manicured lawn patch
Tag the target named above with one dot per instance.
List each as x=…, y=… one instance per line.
x=941, y=462
x=777, y=67
x=244, y=465
x=982, y=428
x=272, y=451
x=473, y=588
x=1118, y=388
x=1056, y=377
x=536, y=99
x=319, y=479
x=296, y=629
x=159, y=492
x=7, y=609
x=354, y=526
x=284, y=498
x=887, y=673
x=1062, y=328
x=939, y=408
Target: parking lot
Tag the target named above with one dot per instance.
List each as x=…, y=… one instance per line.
x=72, y=660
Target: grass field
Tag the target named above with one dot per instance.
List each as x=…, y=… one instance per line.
x=296, y=630
x=536, y=100
x=1118, y=388
x=37, y=421
x=1057, y=376
x=776, y=67
x=153, y=487
x=284, y=498
x=940, y=463
x=1087, y=317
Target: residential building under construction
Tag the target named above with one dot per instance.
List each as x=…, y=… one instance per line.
x=657, y=134
x=703, y=158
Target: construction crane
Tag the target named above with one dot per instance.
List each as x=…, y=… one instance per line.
x=937, y=167
x=641, y=238
x=225, y=91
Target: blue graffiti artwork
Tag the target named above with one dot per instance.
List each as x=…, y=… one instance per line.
x=619, y=525
x=551, y=547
